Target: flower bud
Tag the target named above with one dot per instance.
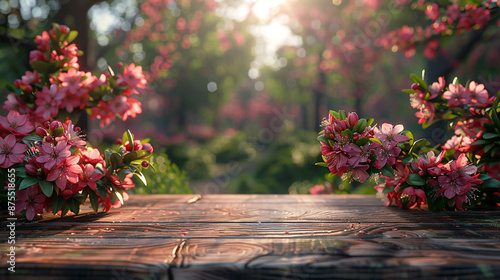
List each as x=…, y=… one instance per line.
x=353, y=119
x=145, y=164
x=343, y=124
x=119, y=64
x=147, y=147
x=49, y=138
x=63, y=29
x=55, y=124
x=46, y=124
x=40, y=131
x=415, y=86
x=119, y=141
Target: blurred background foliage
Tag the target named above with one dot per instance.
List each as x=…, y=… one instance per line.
x=238, y=87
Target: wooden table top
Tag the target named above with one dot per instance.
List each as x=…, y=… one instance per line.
x=257, y=237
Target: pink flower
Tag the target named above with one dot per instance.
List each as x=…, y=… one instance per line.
x=119, y=105
x=91, y=155
x=11, y=152
x=134, y=109
x=432, y=11
x=453, y=12
x=53, y=155
x=17, y=121
x=479, y=95
x=430, y=164
x=436, y=88
x=318, y=189
x=65, y=172
x=386, y=154
x=461, y=165
x=37, y=55
x=15, y=103
x=71, y=81
x=390, y=134
x=31, y=77
x=43, y=41
x=103, y=113
x=411, y=197
x=359, y=172
x=72, y=135
x=451, y=144
x=32, y=200
x=452, y=184
x=481, y=16
x=89, y=176
x=35, y=168
x=133, y=77
x=47, y=102
x=457, y=95
x=357, y=155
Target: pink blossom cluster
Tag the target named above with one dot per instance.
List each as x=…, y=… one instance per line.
x=58, y=156
x=454, y=180
x=468, y=104
x=472, y=98
x=355, y=149
x=446, y=20
x=56, y=84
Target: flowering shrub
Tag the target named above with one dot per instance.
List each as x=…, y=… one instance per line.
x=463, y=174
x=447, y=18
x=54, y=169
x=56, y=88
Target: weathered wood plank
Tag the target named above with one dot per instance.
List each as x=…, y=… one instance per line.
x=258, y=236
x=339, y=259
x=75, y=231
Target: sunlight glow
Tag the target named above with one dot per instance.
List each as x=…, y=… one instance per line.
x=263, y=8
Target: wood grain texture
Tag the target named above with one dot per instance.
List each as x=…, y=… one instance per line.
x=257, y=237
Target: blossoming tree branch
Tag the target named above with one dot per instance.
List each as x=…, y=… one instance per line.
x=461, y=174
x=55, y=168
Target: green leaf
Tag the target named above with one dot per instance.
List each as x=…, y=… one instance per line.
x=407, y=159
x=71, y=36
x=362, y=141
x=342, y=115
x=321, y=164
x=321, y=138
x=415, y=180
x=32, y=138
x=491, y=183
x=418, y=80
x=387, y=190
x=141, y=176
x=40, y=66
x=10, y=88
x=101, y=191
x=65, y=210
x=57, y=204
x=388, y=171
x=119, y=196
x=418, y=145
x=360, y=126
x=490, y=135
x=47, y=187
x=141, y=153
x=375, y=140
x=410, y=135
x=334, y=114
x=409, y=91
x=74, y=205
x=94, y=200
x=28, y=182
x=129, y=157
x=116, y=160
x=347, y=132
x=370, y=121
